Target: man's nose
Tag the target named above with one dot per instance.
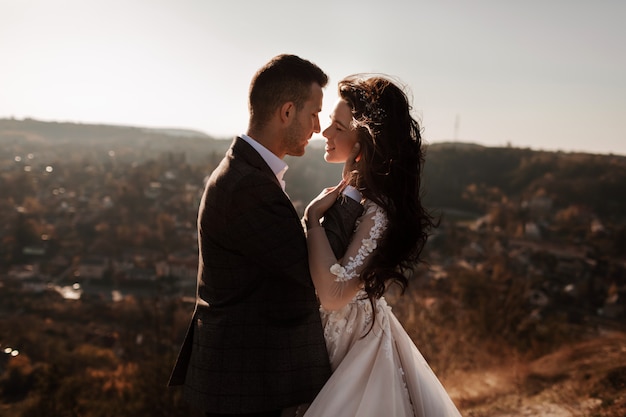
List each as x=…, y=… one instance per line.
x=316, y=125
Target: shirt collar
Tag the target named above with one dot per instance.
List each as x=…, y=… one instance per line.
x=277, y=165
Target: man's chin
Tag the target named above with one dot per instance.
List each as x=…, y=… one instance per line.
x=296, y=152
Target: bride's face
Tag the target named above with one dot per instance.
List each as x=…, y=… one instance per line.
x=340, y=135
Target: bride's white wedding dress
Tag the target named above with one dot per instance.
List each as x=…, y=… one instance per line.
x=377, y=369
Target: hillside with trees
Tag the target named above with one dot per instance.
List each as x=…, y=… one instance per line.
x=520, y=309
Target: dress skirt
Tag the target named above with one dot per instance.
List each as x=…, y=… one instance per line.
x=377, y=369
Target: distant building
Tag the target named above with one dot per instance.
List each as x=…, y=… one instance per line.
x=532, y=230
x=539, y=205
x=93, y=267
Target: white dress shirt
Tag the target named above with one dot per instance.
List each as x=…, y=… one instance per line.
x=277, y=165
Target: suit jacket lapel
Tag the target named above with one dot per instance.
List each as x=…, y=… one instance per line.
x=242, y=149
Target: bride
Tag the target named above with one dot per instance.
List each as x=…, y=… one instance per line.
x=377, y=369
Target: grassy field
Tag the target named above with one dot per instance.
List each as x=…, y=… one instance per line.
x=580, y=374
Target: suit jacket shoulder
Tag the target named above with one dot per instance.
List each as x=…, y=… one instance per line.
x=339, y=223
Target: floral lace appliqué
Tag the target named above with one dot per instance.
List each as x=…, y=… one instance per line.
x=345, y=273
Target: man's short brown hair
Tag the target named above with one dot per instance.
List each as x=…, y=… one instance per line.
x=283, y=79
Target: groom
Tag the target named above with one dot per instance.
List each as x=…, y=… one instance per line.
x=255, y=344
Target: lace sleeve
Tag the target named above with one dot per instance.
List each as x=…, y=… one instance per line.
x=369, y=229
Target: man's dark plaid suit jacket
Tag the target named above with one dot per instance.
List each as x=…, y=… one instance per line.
x=255, y=341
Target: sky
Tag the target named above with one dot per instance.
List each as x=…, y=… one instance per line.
x=539, y=74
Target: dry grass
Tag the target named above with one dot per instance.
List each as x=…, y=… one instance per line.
x=585, y=379
x=488, y=377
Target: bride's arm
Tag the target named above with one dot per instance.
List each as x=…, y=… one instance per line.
x=337, y=281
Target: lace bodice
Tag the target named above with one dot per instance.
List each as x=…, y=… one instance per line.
x=344, y=327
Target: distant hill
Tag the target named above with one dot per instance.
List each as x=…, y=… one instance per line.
x=459, y=176
x=459, y=146
x=68, y=131
x=473, y=177
x=148, y=142
x=177, y=132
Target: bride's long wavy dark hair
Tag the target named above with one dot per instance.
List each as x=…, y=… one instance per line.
x=389, y=174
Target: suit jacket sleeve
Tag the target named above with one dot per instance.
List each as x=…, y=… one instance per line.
x=339, y=223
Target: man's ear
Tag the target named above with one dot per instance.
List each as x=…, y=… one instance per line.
x=287, y=112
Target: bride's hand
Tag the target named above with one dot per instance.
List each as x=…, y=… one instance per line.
x=320, y=204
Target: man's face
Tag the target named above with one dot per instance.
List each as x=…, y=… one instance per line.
x=305, y=123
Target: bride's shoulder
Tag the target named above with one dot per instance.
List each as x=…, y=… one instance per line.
x=373, y=211
x=368, y=204
x=370, y=207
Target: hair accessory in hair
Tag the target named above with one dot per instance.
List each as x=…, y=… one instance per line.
x=371, y=109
